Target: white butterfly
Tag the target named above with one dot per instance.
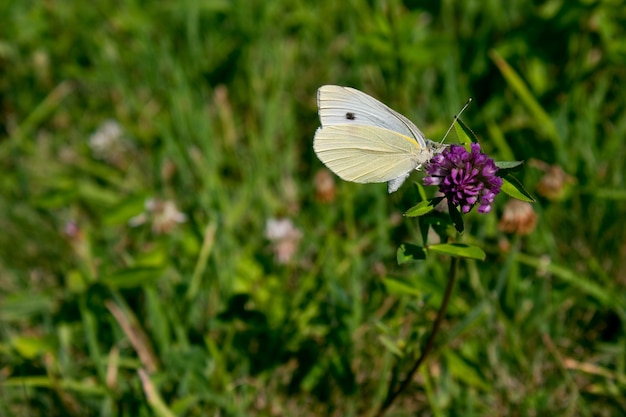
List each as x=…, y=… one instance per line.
x=362, y=140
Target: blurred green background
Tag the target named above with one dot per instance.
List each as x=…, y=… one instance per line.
x=171, y=245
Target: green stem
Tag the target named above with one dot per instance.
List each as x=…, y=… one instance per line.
x=392, y=395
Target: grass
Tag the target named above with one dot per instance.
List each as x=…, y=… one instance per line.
x=216, y=104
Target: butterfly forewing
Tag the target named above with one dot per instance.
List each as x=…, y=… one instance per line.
x=344, y=105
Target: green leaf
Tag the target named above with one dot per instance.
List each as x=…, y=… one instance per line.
x=460, y=250
x=605, y=296
x=22, y=306
x=182, y=405
x=30, y=347
x=97, y=195
x=465, y=371
x=156, y=318
x=424, y=223
x=465, y=134
x=607, y=193
x=512, y=187
x=87, y=388
x=421, y=190
x=390, y=345
x=439, y=222
x=456, y=217
x=508, y=166
x=133, y=277
x=75, y=282
x=496, y=136
x=471, y=319
x=523, y=92
x=155, y=401
x=424, y=207
x=409, y=253
x=400, y=287
x=124, y=210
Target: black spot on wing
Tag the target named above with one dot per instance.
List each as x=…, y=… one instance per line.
x=350, y=116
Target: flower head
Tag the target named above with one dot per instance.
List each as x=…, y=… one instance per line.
x=555, y=183
x=108, y=143
x=285, y=238
x=518, y=218
x=465, y=178
x=163, y=214
x=325, y=189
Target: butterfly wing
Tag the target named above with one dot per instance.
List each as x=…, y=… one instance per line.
x=394, y=184
x=344, y=105
x=364, y=153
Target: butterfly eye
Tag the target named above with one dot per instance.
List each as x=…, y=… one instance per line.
x=350, y=116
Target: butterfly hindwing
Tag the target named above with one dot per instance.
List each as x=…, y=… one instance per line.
x=367, y=153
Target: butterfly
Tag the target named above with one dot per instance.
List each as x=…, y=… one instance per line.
x=362, y=140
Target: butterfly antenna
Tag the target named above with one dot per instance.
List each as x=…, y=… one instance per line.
x=469, y=100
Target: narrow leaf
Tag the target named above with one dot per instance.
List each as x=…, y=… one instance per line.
x=512, y=187
x=466, y=371
x=508, y=166
x=153, y=396
x=465, y=134
x=460, y=250
x=400, y=287
x=608, y=193
x=390, y=345
x=22, y=306
x=499, y=141
x=523, y=92
x=421, y=190
x=409, y=253
x=29, y=347
x=81, y=387
x=423, y=207
x=456, y=217
x=439, y=222
x=424, y=228
x=605, y=296
x=133, y=277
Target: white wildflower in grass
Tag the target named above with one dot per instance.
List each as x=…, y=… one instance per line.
x=285, y=238
x=163, y=215
x=107, y=143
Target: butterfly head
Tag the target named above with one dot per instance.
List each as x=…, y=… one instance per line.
x=435, y=147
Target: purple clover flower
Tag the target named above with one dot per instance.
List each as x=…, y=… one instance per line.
x=465, y=178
